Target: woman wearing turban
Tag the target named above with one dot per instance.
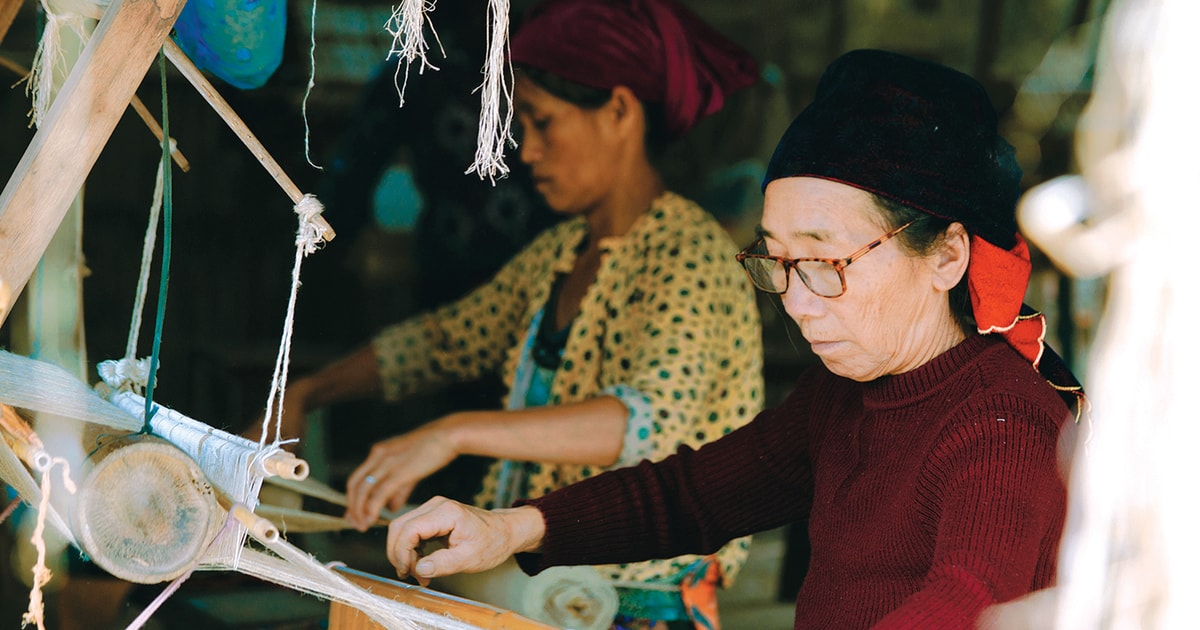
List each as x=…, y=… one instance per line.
x=922, y=452
x=624, y=332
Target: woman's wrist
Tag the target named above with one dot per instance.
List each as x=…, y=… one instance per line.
x=526, y=527
x=455, y=431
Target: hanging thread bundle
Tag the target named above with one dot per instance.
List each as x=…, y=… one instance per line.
x=407, y=27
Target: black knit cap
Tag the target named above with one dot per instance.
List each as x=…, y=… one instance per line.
x=912, y=131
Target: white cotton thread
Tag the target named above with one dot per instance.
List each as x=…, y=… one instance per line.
x=407, y=28
x=312, y=81
x=309, y=236
x=495, y=128
x=41, y=573
x=131, y=374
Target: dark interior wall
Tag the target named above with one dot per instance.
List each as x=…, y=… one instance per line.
x=233, y=226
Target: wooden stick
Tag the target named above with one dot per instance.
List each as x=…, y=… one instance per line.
x=156, y=129
x=74, y=131
x=239, y=127
x=291, y=520
x=21, y=438
x=8, y=13
x=136, y=103
x=310, y=488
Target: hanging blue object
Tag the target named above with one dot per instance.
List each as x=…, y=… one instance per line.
x=239, y=41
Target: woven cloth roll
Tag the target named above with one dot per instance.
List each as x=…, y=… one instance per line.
x=565, y=597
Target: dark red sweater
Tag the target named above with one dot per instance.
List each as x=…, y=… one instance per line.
x=930, y=495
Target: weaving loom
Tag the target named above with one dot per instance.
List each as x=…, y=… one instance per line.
x=188, y=493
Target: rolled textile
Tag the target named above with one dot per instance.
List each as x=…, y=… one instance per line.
x=566, y=597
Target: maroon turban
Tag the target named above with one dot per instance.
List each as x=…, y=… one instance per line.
x=657, y=48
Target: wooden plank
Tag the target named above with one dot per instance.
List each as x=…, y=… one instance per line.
x=8, y=13
x=75, y=130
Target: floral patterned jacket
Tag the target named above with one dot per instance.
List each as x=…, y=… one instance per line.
x=670, y=326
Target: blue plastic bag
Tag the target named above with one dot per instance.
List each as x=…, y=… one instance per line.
x=239, y=41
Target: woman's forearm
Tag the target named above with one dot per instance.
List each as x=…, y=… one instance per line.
x=352, y=377
x=586, y=432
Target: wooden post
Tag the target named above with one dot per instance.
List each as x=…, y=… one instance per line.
x=75, y=130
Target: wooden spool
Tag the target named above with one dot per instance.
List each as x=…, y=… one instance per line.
x=144, y=511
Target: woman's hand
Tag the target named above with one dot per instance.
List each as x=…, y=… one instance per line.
x=392, y=470
x=475, y=539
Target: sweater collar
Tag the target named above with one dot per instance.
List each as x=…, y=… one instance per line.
x=926, y=380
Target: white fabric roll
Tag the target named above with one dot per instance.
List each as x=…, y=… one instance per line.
x=578, y=598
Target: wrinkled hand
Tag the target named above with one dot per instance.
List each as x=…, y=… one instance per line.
x=392, y=470
x=476, y=539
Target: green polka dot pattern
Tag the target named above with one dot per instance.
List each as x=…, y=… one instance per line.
x=670, y=315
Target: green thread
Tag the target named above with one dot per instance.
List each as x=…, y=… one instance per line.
x=165, y=272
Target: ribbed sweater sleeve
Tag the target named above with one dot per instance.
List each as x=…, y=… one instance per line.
x=929, y=495
x=750, y=480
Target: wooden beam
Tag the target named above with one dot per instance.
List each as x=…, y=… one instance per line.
x=73, y=133
x=8, y=13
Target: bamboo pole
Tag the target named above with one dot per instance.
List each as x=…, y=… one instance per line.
x=75, y=130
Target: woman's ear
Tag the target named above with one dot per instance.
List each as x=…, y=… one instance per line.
x=627, y=110
x=951, y=258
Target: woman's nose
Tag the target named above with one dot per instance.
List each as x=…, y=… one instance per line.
x=530, y=149
x=799, y=301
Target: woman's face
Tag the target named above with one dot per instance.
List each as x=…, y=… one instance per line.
x=891, y=319
x=570, y=150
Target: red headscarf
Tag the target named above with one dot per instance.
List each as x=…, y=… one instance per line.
x=657, y=48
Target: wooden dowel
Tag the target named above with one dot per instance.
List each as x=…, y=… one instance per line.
x=136, y=103
x=156, y=129
x=21, y=438
x=296, y=521
x=310, y=488
x=239, y=127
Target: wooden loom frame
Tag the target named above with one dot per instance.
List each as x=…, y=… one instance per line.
x=55, y=165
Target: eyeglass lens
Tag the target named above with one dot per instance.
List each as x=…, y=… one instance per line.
x=770, y=275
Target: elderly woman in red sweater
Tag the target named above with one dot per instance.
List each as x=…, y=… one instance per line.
x=923, y=450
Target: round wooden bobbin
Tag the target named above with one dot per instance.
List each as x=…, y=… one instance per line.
x=145, y=512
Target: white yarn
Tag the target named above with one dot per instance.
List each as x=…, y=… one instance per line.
x=17, y=476
x=48, y=59
x=407, y=24
x=1129, y=557
x=231, y=463
x=295, y=569
x=495, y=129
x=407, y=27
x=41, y=574
x=131, y=374
x=47, y=388
x=128, y=374
x=309, y=236
x=312, y=81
